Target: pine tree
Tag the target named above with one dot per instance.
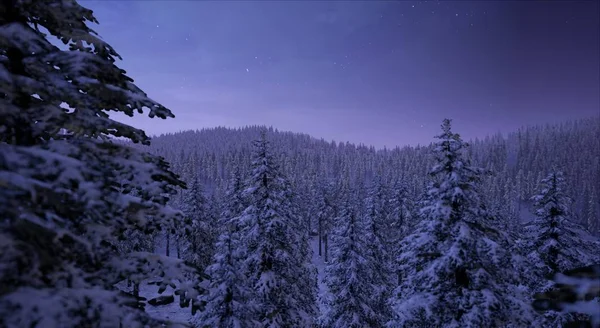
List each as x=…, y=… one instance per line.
x=229, y=302
x=401, y=210
x=307, y=273
x=520, y=191
x=198, y=245
x=401, y=218
x=215, y=211
x=70, y=191
x=351, y=303
x=556, y=243
x=455, y=270
x=338, y=192
x=378, y=245
x=509, y=208
x=273, y=263
x=325, y=216
x=235, y=203
x=559, y=243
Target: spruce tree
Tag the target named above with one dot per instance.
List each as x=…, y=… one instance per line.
x=556, y=243
x=508, y=207
x=235, y=202
x=352, y=301
x=378, y=244
x=70, y=191
x=325, y=216
x=455, y=271
x=198, y=246
x=401, y=218
x=307, y=273
x=271, y=238
x=401, y=210
x=229, y=300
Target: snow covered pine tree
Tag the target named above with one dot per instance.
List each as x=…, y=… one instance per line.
x=556, y=243
x=455, y=272
x=228, y=300
x=68, y=191
x=197, y=247
x=378, y=245
x=353, y=298
x=271, y=239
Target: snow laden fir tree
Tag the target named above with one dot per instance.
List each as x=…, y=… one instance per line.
x=276, y=270
x=197, y=247
x=380, y=235
x=455, y=269
x=556, y=243
x=400, y=217
x=229, y=301
x=68, y=191
x=353, y=298
x=278, y=288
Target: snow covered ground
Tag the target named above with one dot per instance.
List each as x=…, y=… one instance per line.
x=171, y=312
x=174, y=313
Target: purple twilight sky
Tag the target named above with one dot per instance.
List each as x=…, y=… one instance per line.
x=378, y=73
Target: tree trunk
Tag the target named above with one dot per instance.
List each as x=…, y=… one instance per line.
x=168, y=243
x=326, y=248
x=136, y=289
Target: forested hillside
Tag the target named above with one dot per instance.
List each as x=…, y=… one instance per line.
x=516, y=162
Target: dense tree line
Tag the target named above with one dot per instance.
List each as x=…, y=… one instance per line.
x=516, y=163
